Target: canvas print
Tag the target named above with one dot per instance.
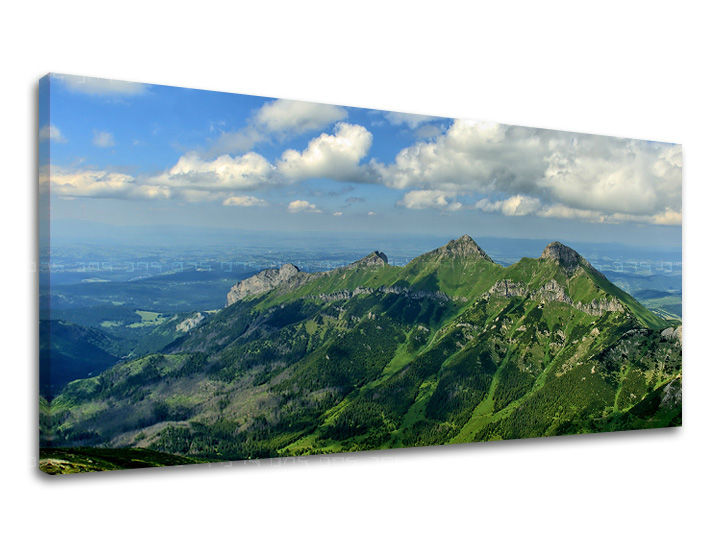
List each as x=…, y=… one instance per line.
x=229, y=277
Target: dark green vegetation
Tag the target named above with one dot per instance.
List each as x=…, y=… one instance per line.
x=61, y=461
x=69, y=351
x=450, y=348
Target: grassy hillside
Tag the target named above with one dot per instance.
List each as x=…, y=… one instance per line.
x=63, y=461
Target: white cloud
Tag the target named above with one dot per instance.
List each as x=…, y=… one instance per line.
x=103, y=139
x=413, y=121
x=333, y=156
x=668, y=217
x=297, y=116
x=513, y=206
x=522, y=171
x=426, y=199
x=279, y=118
x=244, y=201
x=51, y=133
x=604, y=175
x=194, y=178
x=337, y=214
x=520, y=205
x=109, y=184
x=371, y=213
x=99, y=86
x=249, y=171
x=563, y=211
x=94, y=183
x=470, y=156
x=302, y=206
x=507, y=170
x=149, y=191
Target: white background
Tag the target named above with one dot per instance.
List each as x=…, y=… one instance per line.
x=627, y=69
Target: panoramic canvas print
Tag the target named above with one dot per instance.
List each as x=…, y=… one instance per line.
x=230, y=277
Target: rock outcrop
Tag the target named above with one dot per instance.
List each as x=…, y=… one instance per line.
x=508, y=288
x=552, y=291
x=373, y=260
x=402, y=291
x=189, y=323
x=287, y=275
x=567, y=258
x=672, y=333
x=462, y=247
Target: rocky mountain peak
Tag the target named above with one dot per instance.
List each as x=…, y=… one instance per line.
x=286, y=271
x=286, y=275
x=376, y=258
x=563, y=255
x=464, y=246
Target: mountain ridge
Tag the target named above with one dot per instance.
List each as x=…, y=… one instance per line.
x=451, y=348
x=425, y=272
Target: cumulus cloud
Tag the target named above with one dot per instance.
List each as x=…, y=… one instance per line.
x=103, y=139
x=520, y=171
x=668, y=217
x=246, y=172
x=244, y=201
x=513, y=171
x=194, y=178
x=524, y=205
x=470, y=156
x=515, y=206
x=99, y=86
x=424, y=199
x=297, y=116
x=278, y=119
x=96, y=183
x=337, y=214
x=371, y=213
x=302, y=206
x=335, y=156
x=50, y=132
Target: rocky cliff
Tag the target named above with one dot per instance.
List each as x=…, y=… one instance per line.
x=552, y=291
x=374, y=259
x=288, y=275
x=462, y=247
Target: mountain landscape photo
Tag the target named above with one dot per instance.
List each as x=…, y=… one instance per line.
x=450, y=348
x=300, y=279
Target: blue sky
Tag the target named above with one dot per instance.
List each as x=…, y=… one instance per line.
x=131, y=154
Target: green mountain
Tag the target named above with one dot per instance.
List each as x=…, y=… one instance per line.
x=69, y=351
x=450, y=348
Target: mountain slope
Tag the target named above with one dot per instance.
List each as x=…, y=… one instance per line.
x=69, y=351
x=449, y=348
